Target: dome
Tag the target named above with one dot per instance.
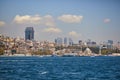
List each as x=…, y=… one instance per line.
x=87, y=51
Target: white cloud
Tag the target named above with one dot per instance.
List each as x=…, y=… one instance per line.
x=53, y=30
x=70, y=18
x=48, y=21
x=74, y=34
x=107, y=20
x=36, y=19
x=2, y=23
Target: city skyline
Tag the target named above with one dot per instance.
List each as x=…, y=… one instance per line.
x=79, y=19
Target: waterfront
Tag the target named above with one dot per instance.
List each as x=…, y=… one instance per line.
x=57, y=68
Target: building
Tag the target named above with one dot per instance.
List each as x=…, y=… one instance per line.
x=29, y=33
x=118, y=45
x=110, y=44
x=70, y=42
x=91, y=43
x=65, y=41
x=80, y=42
x=59, y=41
x=87, y=52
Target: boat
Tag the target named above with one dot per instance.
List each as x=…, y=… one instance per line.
x=69, y=55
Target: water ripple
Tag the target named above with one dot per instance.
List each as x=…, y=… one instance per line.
x=66, y=68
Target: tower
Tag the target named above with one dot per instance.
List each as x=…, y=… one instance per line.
x=65, y=41
x=58, y=41
x=29, y=33
x=70, y=42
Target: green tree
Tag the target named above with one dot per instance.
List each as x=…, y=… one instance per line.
x=2, y=47
x=1, y=51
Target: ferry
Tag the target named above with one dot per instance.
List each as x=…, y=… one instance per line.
x=69, y=54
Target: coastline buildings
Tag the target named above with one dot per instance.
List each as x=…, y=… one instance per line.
x=20, y=46
x=29, y=33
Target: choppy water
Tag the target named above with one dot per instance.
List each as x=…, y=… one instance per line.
x=60, y=68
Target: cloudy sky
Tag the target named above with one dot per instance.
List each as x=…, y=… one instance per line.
x=98, y=20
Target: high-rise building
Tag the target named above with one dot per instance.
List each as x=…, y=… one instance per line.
x=110, y=41
x=65, y=41
x=70, y=42
x=29, y=33
x=55, y=41
x=110, y=44
x=91, y=43
x=58, y=41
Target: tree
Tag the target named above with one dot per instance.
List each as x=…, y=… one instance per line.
x=1, y=51
x=2, y=47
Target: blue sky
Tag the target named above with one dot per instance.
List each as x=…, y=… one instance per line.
x=98, y=20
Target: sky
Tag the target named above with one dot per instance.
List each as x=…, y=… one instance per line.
x=98, y=20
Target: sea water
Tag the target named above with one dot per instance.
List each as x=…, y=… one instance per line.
x=60, y=68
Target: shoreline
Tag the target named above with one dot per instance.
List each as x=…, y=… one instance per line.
x=23, y=55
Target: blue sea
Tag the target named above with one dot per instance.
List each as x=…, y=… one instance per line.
x=60, y=68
